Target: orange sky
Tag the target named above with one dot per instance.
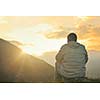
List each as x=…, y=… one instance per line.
x=36, y=35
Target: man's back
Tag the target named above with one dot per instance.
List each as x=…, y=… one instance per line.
x=71, y=60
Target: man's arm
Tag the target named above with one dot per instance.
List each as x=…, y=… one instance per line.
x=60, y=54
x=86, y=56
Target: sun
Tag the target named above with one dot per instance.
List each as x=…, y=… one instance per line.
x=31, y=50
x=27, y=49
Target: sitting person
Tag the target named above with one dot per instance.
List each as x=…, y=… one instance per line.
x=71, y=61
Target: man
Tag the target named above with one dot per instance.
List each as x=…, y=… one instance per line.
x=71, y=61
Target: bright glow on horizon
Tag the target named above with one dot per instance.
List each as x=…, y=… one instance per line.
x=84, y=18
x=32, y=51
x=27, y=49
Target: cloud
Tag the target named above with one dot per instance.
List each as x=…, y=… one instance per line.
x=26, y=28
x=86, y=31
x=2, y=20
x=58, y=32
x=90, y=26
x=56, y=35
x=94, y=43
x=17, y=43
x=90, y=31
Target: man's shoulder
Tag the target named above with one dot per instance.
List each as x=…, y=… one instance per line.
x=63, y=46
x=81, y=45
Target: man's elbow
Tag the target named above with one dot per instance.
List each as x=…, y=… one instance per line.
x=57, y=59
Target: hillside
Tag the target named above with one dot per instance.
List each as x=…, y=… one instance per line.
x=93, y=65
x=16, y=66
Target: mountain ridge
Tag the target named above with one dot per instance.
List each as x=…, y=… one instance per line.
x=16, y=66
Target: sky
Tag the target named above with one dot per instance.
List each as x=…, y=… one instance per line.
x=42, y=36
x=39, y=34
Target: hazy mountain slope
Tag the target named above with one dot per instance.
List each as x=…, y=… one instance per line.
x=93, y=65
x=15, y=66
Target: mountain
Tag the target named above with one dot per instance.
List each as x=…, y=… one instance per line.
x=49, y=57
x=93, y=65
x=16, y=66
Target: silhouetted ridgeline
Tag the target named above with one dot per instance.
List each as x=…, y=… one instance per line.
x=16, y=66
